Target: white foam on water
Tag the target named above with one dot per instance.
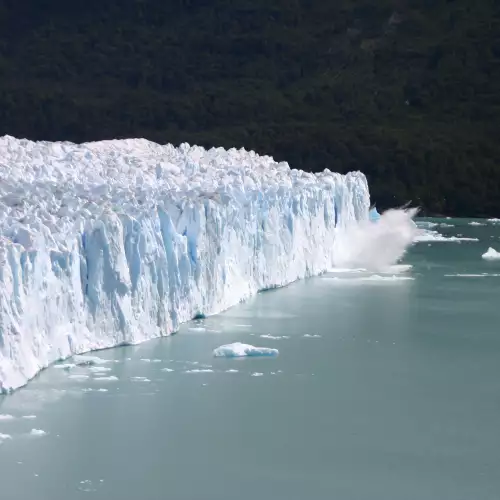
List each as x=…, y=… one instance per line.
x=346, y=270
x=394, y=269
x=372, y=279
x=238, y=349
x=426, y=224
x=385, y=279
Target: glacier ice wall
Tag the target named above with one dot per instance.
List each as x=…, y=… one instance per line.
x=116, y=242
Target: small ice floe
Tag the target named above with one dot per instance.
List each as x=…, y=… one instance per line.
x=87, y=486
x=465, y=275
x=99, y=369
x=491, y=254
x=309, y=336
x=274, y=337
x=140, y=379
x=197, y=329
x=4, y=437
x=37, y=432
x=82, y=360
x=65, y=366
x=231, y=371
x=257, y=374
x=200, y=370
x=79, y=377
x=379, y=278
x=89, y=389
x=474, y=223
x=494, y=220
x=6, y=417
x=168, y=370
x=237, y=350
x=434, y=236
x=111, y=378
x=29, y=417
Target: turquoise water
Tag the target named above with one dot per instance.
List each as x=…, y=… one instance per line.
x=386, y=387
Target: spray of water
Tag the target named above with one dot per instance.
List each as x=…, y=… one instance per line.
x=376, y=246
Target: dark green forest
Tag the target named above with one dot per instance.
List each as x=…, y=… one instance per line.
x=408, y=91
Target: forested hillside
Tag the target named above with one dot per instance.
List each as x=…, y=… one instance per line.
x=408, y=91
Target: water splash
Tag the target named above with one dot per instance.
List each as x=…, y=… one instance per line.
x=376, y=246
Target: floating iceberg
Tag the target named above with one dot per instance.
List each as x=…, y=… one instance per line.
x=37, y=432
x=238, y=350
x=117, y=242
x=491, y=254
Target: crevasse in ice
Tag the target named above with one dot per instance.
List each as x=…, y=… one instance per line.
x=118, y=242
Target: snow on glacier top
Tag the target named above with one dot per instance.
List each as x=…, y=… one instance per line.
x=55, y=188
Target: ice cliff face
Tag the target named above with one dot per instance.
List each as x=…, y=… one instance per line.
x=120, y=241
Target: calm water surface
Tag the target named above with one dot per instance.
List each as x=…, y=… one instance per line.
x=385, y=388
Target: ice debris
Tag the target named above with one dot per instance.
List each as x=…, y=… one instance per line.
x=237, y=349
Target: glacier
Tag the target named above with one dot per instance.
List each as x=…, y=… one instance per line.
x=117, y=242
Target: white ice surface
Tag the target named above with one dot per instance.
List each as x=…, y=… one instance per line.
x=491, y=254
x=237, y=349
x=37, y=432
x=117, y=242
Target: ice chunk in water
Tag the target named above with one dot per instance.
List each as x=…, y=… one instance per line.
x=491, y=254
x=237, y=350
